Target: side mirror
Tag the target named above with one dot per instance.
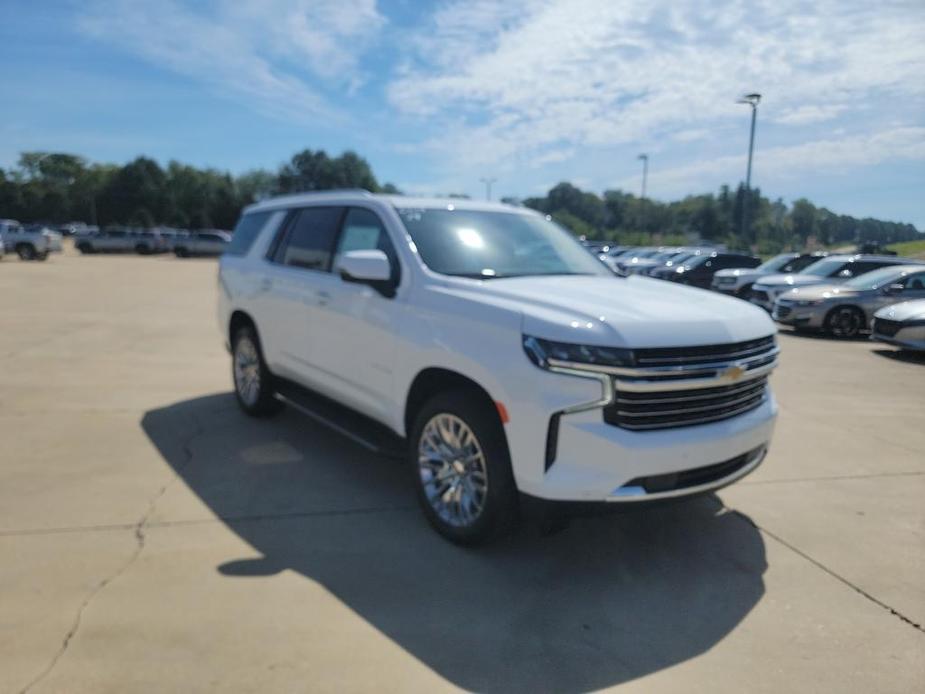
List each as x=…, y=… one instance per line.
x=370, y=267
x=896, y=288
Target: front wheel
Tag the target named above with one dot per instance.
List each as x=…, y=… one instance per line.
x=462, y=468
x=845, y=322
x=181, y=252
x=253, y=382
x=42, y=256
x=25, y=251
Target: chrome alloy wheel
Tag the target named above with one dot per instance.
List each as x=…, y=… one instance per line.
x=452, y=468
x=247, y=371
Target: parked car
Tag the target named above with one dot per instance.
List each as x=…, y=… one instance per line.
x=698, y=271
x=28, y=244
x=846, y=309
x=642, y=266
x=204, y=242
x=2, y=248
x=122, y=240
x=664, y=270
x=833, y=269
x=482, y=343
x=902, y=325
x=738, y=281
x=55, y=243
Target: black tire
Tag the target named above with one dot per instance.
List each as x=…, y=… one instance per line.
x=258, y=402
x=26, y=251
x=85, y=248
x=845, y=322
x=499, y=509
x=42, y=256
x=181, y=252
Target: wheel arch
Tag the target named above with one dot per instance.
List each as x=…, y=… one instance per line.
x=432, y=380
x=237, y=320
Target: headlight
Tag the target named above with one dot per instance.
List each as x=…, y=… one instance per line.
x=680, y=270
x=542, y=351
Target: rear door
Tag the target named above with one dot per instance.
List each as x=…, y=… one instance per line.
x=355, y=335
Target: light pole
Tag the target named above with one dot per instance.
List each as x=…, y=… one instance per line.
x=642, y=200
x=752, y=100
x=488, y=182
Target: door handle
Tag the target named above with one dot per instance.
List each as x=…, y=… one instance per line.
x=266, y=284
x=323, y=298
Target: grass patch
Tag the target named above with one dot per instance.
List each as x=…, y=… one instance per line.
x=910, y=249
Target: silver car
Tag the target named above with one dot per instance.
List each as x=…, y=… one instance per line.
x=834, y=269
x=902, y=325
x=845, y=309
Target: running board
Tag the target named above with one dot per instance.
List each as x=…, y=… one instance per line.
x=359, y=428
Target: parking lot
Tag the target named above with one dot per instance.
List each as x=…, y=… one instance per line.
x=152, y=538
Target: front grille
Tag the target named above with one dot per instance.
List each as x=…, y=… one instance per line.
x=885, y=327
x=759, y=295
x=704, y=354
x=678, y=408
x=783, y=311
x=725, y=280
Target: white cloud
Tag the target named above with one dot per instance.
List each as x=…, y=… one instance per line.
x=509, y=82
x=264, y=52
x=843, y=155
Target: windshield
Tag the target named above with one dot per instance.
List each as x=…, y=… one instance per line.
x=485, y=245
x=828, y=267
x=875, y=278
x=775, y=263
x=698, y=260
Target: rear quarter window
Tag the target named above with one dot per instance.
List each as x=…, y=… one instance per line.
x=246, y=231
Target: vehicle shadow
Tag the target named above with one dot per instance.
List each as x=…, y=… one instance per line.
x=904, y=355
x=609, y=599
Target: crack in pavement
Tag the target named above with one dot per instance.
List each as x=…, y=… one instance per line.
x=249, y=518
x=139, y=531
x=818, y=564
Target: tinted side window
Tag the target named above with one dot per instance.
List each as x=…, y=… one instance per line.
x=798, y=264
x=309, y=240
x=246, y=230
x=860, y=267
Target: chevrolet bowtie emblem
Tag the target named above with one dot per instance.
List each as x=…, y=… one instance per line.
x=733, y=373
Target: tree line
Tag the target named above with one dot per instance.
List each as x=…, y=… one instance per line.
x=771, y=225
x=57, y=187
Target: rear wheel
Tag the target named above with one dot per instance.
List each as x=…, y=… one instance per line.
x=253, y=382
x=844, y=322
x=84, y=248
x=181, y=252
x=42, y=256
x=462, y=468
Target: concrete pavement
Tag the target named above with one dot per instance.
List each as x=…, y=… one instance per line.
x=154, y=539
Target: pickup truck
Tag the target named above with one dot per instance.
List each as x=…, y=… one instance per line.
x=486, y=347
x=33, y=243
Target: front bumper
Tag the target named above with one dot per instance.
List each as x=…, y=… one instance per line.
x=598, y=462
x=799, y=316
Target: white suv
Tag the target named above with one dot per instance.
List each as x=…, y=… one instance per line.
x=483, y=343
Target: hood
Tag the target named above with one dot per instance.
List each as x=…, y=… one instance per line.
x=907, y=310
x=630, y=312
x=796, y=280
x=817, y=292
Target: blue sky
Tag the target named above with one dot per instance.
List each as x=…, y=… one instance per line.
x=438, y=95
